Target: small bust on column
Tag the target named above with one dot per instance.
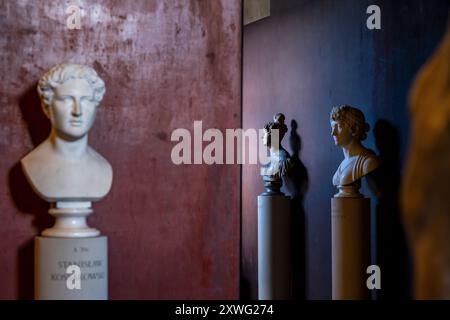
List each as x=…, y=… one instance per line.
x=64, y=170
x=349, y=128
x=280, y=162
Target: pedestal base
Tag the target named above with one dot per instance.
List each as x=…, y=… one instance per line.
x=70, y=221
x=274, y=248
x=54, y=255
x=350, y=247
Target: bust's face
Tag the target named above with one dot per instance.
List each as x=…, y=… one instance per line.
x=341, y=133
x=73, y=108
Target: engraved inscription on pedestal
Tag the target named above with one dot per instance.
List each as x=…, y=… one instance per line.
x=56, y=255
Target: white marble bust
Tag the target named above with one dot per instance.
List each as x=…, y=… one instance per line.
x=64, y=168
x=349, y=128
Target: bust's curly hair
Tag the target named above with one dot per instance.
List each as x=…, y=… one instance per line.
x=278, y=123
x=61, y=73
x=352, y=117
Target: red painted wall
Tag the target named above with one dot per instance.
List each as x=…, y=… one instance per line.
x=173, y=230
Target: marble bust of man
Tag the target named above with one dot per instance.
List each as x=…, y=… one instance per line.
x=279, y=159
x=349, y=128
x=64, y=168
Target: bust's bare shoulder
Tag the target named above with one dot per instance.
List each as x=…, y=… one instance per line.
x=36, y=155
x=56, y=178
x=99, y=159
x=370, y=162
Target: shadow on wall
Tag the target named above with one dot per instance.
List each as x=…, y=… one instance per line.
x=297, y=185
x=24, y=198
x=392, y=251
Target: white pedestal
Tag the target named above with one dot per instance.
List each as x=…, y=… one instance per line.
x=70, y=220
x=54, y=255
x=350, y=247
x=274, y=248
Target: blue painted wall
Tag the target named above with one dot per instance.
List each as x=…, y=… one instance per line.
x=307, y=57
